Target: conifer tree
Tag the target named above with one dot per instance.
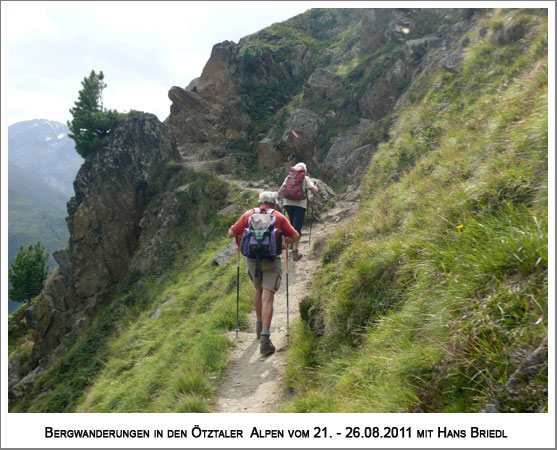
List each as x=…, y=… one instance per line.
x=28, y=273
x=91, y=122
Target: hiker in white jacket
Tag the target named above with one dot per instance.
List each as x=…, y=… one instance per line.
x=294, y=191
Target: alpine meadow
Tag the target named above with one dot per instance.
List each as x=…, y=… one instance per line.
x=430, y=290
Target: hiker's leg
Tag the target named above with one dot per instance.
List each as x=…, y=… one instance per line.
x=267, y=308
x=298, y=214
x=257, y=301
x=266, y=347
x=288, y=209
x=250, y=269
x=272, y=275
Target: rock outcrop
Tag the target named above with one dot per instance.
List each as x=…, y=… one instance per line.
x=112, y=190
x=321, y=85
x=344, y=158
x=300, y=134
x=390, y=47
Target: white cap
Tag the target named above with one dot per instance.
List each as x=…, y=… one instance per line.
x=268, y=197
x=301, y=166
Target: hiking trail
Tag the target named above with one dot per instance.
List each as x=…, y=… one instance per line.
x=252, y=383
x=256, y=384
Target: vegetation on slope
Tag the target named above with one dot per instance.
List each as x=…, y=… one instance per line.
x=135, y=359
x=435, y=299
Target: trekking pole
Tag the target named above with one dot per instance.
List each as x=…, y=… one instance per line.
x=287, y=308
x=311, y=219
x=238, y=294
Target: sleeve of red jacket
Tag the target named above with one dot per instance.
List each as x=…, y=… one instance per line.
x=238, y=227
x=285, y=226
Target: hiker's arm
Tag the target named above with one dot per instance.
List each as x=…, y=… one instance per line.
x=288, y=231
x=312, y=186
x=292, y=239
x=238, y=228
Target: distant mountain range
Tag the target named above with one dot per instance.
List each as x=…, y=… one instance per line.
x=42, y=148
x=42, y=164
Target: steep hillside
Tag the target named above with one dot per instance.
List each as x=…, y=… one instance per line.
x=36, y=212
x=330, y=76
x=28, y=223
x=42, y=164
x=433, y=300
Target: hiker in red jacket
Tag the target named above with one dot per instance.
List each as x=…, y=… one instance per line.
x=265, y=274
x=294, y=191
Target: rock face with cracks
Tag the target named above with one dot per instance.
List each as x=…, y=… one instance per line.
x=112, y=191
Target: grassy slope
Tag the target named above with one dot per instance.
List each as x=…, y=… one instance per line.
x=128, y=362
x=408, y=317
x=434, y=297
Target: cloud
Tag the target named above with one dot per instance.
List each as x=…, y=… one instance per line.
x=27, y=23
x=143, y=48
x=145, y=97
x=28, y=105
x=185, y=65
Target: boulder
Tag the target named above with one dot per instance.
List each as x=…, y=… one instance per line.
x=192, y=117
x=267, y=154
x=300, y=135
x=415, y=49
x=323, y=201
x=452, y=63
x=183, y=99
x=232, y=210
x=321, y=85
x=342, y=161
x=25, y=385
x=226, y=254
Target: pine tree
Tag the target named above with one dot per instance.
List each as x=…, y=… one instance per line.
x=91, y=122
x=28, y=273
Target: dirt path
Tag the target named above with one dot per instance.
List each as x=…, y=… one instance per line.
x=255, y=384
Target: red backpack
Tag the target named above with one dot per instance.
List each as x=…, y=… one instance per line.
x=294, y=189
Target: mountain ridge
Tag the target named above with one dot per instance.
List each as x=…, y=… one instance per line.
x=42, y=148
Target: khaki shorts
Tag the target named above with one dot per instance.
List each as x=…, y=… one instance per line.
x=271, y=271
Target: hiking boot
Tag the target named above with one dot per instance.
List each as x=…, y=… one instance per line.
x=296, y=256
x=266, y=347
x=258, y=328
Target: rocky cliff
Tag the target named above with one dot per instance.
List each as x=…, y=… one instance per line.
x=308, y=89
x=112, y=191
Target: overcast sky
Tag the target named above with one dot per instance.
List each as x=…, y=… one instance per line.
x=143, y=49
